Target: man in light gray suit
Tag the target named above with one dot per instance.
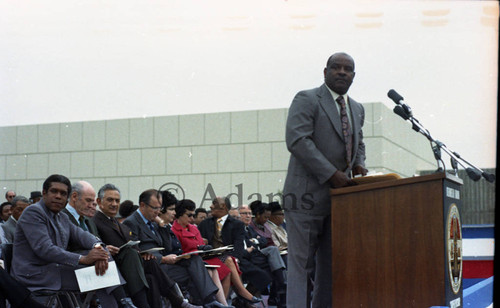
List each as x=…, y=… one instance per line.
x=324, y=136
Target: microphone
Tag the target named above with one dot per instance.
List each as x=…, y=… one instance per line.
x=395, y=96
x=399, y=100
x=473, y=174
x=489, y=177
x=400, y=112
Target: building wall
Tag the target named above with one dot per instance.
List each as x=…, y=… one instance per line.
x=478, y=199
x=238, y=153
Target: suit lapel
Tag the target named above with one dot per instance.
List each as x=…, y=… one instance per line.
x=145, y=229
x=328, y=105
x=109, y=222
x=71, y=217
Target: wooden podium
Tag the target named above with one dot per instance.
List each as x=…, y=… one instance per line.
x=398, y=243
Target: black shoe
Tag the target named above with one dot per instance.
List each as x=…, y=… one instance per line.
x=253, y=300
x=126, y=302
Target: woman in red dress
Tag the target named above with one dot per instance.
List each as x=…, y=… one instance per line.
x=191, y=240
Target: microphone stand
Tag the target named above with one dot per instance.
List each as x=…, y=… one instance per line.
x=472, y=171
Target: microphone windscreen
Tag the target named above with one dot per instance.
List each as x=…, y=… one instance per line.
x=473, y=174
x=395, y=96
x=400, y=112
x=489, y=177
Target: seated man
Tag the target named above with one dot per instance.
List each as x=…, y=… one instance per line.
x=260, y=263
x=199, y=215
x=40, y=258
x=19, y=203
x=114, y=235
x=275, y=223
x=35, y=196
x=5, y=211
x=223, y=230
x=186, y=272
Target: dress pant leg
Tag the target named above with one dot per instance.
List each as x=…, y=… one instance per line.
x=322, y=295
x=12, y=290
x=273, y=257
x=201, y=279
x=163, y=285
x=303, y=241
x=154, y=296
x=151, y=267
x=180, y=274
x=130, y=264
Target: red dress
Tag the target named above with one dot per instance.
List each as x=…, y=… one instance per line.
x=190, y=239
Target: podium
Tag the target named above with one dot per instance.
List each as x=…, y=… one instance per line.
x=398, y=243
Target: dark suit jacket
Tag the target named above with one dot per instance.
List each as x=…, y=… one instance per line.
x=40, y=247
x=90, y=225
x=315, y=140
x=128, y=259
x=142, y=232
x=233, y=233
x=189, y=272
x=108, y=232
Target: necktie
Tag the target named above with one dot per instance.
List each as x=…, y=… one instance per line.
x=219, y=225
x=82, y=223
x=346, y=130
x=151, y=227
x=115, y=223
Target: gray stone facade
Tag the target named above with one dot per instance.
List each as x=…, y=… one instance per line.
x=242, y=153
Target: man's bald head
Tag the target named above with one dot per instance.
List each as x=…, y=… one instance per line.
x=83, y=198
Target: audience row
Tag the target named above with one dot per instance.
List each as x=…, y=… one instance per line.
x=164, y=248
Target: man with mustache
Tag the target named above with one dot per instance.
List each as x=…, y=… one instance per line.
x=325, y=138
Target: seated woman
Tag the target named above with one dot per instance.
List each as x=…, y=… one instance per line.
x=261, y=213
x=191, y=240
x=166, y=218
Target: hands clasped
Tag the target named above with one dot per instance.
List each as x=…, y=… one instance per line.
x=98, y=256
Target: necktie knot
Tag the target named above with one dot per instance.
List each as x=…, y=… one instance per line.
x=340, y=100
x=150, y=224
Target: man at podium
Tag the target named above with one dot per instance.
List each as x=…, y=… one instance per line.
x=325, y=138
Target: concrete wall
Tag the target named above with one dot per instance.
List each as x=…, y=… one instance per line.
x=243, y=153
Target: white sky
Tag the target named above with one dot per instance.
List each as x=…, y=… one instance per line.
x=65, y=61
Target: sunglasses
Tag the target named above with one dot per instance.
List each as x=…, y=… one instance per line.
x=190, y=214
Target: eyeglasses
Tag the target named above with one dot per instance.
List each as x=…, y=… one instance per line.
x=154, y=208
x=243, y=213
x=190, y=214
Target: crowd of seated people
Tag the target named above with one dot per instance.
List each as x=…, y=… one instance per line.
x=67, y=227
